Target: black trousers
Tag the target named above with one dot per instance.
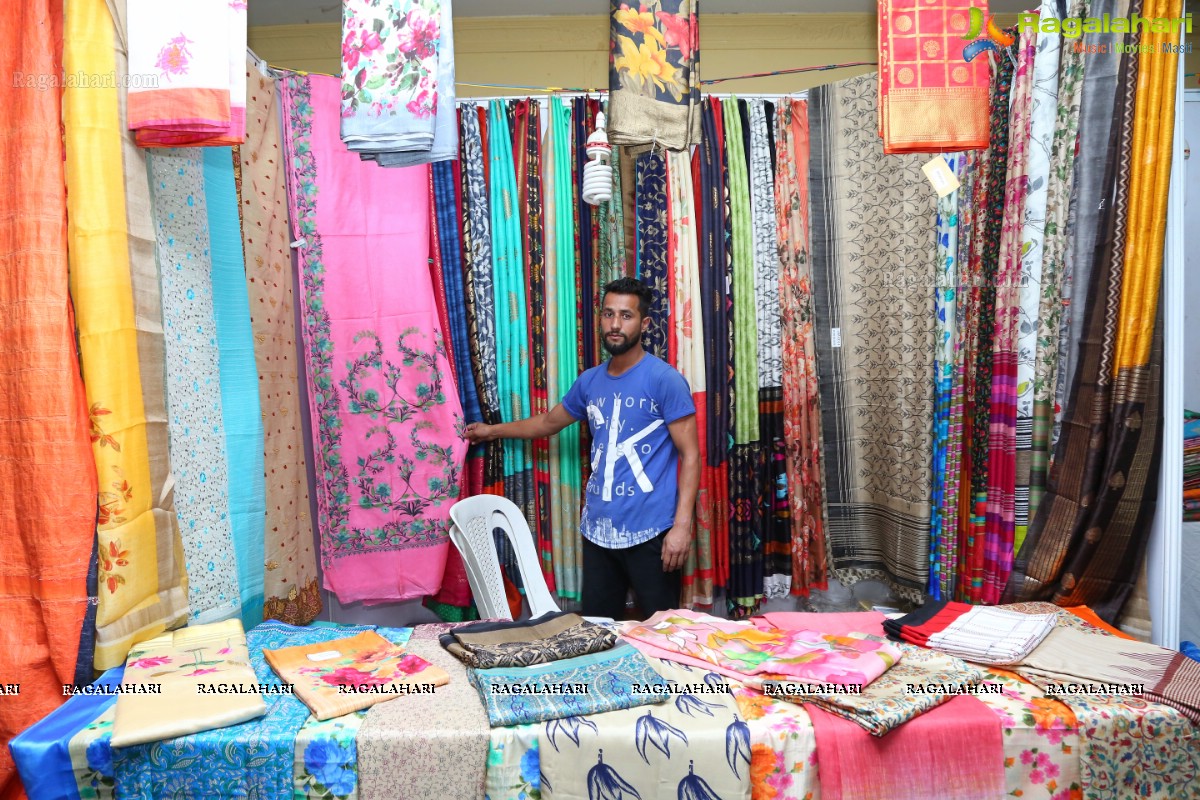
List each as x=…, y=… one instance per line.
x=608, y=575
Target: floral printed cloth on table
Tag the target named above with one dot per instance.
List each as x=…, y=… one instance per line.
x=514, y=764
x=887, y=702
x=254, y=759
x=783, y=748
x=197, y=53
x=614, y=679
x=975, y=633
x=749, y=650
x=694, y=746
x=397, y=96
x=347, y=675
x=326, y=751
x=173, y=669
x=551, y=637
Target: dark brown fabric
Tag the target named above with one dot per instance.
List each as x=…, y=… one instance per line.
x=521, y=644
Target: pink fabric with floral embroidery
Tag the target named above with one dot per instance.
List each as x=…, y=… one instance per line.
x=748, y=650
x=187, y=72
x=167, y=689
x=348, y=675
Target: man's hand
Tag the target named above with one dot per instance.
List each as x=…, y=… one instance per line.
x=477, y=433
x=675, y=548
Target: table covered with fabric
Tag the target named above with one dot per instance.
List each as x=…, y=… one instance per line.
x=711, y=735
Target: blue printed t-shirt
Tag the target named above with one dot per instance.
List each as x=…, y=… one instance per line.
x=632, y=493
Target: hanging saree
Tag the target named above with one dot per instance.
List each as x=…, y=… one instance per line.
x=652, y=228
x=801, y=394
x=384, y=531
x=776, y=531
x=688, y=324
x=583, y=121
x=512, y=338
x=450, y=242
x=654, y=74
x=943, y=530
x=744, y=324
x=241, y=416
x=290, y=586
x=50, y=526
x=1043, y=113
x=999, y=521
x=1090, y=551
x=931, y=97
x=876, y=395
x=142, y=583
x=199, y=98
x=198, y=449
x=989, y=225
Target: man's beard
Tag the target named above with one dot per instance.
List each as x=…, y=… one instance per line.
x=616, y=349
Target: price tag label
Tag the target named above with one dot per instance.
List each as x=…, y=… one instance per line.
x=835, y=337
x=324, y=655
x=939, y=174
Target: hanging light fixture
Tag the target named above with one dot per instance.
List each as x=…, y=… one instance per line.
x=597, y=172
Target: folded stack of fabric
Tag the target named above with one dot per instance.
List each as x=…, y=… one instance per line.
x=1096, y=663
x=550, y=637
x=398, y=81
x=742, y=650
x=191, y=66
x=1191, y=466
x=981, y=634
x=348, y=675
x=558, y=665
x=165, y=691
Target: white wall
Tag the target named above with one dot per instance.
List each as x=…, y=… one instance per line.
x=1189, y=601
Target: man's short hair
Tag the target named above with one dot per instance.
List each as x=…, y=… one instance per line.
x=645, y=294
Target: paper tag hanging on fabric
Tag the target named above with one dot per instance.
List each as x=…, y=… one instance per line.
x=325, y=655
x=939, y=174
x=835, y=337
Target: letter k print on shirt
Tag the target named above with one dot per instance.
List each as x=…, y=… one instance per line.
x=617, y=449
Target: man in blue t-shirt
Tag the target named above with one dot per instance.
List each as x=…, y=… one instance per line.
x=641, y=498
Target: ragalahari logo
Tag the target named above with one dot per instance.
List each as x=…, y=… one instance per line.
x=993, y=40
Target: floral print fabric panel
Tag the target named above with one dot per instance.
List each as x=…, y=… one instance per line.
x=180, y=666
x=695, y=746
x=326, y=752
x=514, y=764
x=654, y=73
x=254, y=759
x=198, y=458
x=397, y=81
x=748, y=650
x=387, y=425
x=290, y=586
x=1041, y=740
x=783, y=748
x=373, y=668
x=607, y=681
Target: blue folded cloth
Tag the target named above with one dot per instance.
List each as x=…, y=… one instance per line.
x=606, y=681
x=1190, y=650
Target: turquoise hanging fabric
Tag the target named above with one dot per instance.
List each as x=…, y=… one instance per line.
x=512, y=329
x=567, y=567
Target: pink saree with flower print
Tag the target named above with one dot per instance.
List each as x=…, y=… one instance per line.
x=387, y=425
x=187, y=72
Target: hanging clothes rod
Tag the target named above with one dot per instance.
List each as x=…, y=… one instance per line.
x=798, y=95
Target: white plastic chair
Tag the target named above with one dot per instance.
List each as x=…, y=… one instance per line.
x=474, y=519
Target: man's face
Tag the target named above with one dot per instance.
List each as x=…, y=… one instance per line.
x=621, y=323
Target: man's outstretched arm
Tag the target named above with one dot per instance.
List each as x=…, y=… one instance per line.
x=536, y=427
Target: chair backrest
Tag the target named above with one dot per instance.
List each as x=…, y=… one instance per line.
x=474, y=519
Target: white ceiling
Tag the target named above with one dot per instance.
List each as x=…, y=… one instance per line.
x=297, y=12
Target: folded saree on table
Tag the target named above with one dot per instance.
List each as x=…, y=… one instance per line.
x=1115, y=666
x=747, y=650
x=975, y=633
x=347, y=675
x=550, y=637
x=397, y=97
x=930, y=97
x=585, y=685
x=921, y=680
x=163, y=692
x=197, y=53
